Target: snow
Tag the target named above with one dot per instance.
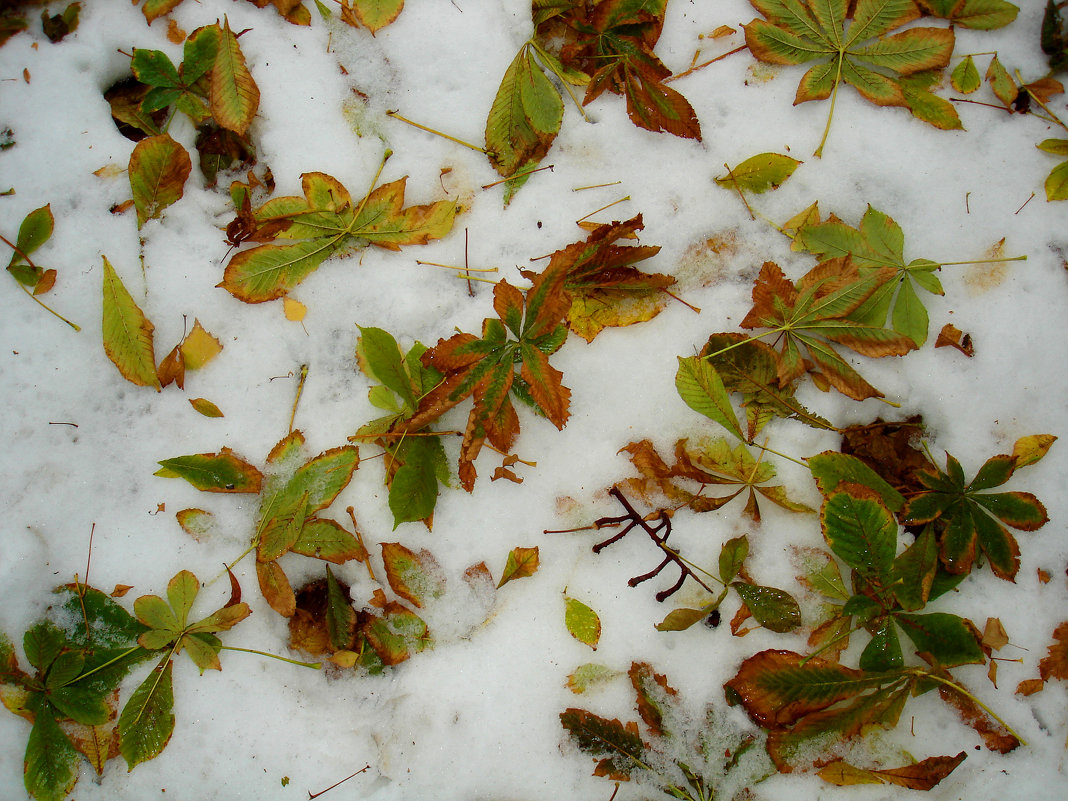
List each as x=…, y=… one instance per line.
x=477, y=717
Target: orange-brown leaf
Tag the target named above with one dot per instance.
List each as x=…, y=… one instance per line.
x=276, y=588
x=922, y=775
x=1055, y=664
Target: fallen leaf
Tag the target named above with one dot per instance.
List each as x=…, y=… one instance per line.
x=205, y=407
x=951, y=336
x=121, y=590
x=1055, y=664
x=158, y=169
x=234, y=94
x=922, y=775
x=582, y=622
x=127, y=333
x=294, y=310
x=994, y=635
x=522, y=562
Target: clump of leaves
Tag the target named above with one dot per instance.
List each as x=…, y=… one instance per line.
x=387, y=631
x=484, y=369
x=612, y=41
x=850, y=42
x=771, y=607
x=128, y=340
x=293, y=491
x=605, y=288
x=34, y=230
x=709, y=463
x=968, y=521
x=214, y=88
x=685, y=756
x=416, y=463
x=1054, y=36
x=73, y=698
x=323, y=223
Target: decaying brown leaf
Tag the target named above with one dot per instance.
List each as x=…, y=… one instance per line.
x=952, y=337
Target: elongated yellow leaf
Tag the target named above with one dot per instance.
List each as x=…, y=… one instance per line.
x=159, y=167
x=234, y=94
x=127, y=333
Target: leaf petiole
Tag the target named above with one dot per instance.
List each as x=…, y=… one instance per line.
x=313, y=665
x=959, y=689
x=397, y=116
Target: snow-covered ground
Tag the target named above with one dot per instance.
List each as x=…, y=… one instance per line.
x=477, y=717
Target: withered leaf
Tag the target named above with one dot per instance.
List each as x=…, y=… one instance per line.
x=922, y=775
x=952, y=337
x=1055, y=664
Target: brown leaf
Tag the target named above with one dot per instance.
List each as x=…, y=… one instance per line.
x=276, y=588
x=994, y=635
x=1030, y=687
x=172, y=368
x=995, y=736
x=1055, y=664
x=743, y=614
x=121, y=590
x=891, y=450
x=951, y=336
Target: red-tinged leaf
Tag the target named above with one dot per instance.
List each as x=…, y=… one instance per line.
x=546, y=385
x=158, y=169
x=1055, y=664
x=127, y=332
x=652, y=692
x=657, y=107
x=416, y=577
x=995, y=735
x=525, y=116
x=276, y=588
x=214, y=472
x=922, y=775
x=778, y=688
x=396, y=635
x=172, y=369
x=620, y=745
x=522, y=562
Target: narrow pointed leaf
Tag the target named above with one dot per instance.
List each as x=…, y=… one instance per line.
x=147, y=720
x=234, y=94
x=214, y=472
x=127, y=332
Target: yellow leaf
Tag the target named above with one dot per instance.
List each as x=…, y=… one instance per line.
x=206, y=407
x=294, y=309
x=127, y=333
x=199, y=347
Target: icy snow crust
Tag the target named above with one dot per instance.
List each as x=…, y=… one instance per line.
x=477, y=717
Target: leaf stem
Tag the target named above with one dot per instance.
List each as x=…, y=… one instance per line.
x=818, y=153
x=738, y=189
x=395, y=115
x=513, y=177
x=458, y=269
x=32, y=296
x=109, y=663
x=982, y=261
x=551, y=62
x=704, y=64
x=313, y=665
x=613, y=203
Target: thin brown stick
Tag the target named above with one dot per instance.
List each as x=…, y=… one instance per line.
x=312, y=796
x=701, y=66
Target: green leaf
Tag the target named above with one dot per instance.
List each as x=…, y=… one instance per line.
x=413, y=492
x=525, y=116
x=36, y=229
x=1001, y=82
x=983, y=15
x=883, y=651
x=588, y=676
x=83, y=704
x=831, y=468
x=340, y=616
x=860, y=530
x=760, y=173
x=380, y=358
x=1058, y=147
x=731, y=557
x=234, y=94
x=127, y=332
x=147, y=720
x=861, y=607
x=214, y=472
x=154, y=9
x=51, y=764
x=154, y=68
x=42, y=643
x=948, y=638
x=327, y=540
x=397, y=634
x=701, y=388
x=965, y=77
x=582, y=622
x=773, y=609
x=164, y=627
x=280, y=532
x=914, y=571
x=322, y=479
x=1057, y=182
x=199, y=53
x=158, y=169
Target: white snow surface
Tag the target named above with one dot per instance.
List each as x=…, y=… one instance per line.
x=477, y=717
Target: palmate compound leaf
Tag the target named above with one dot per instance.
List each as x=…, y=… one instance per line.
x=613, y=41
x=605, y=288
x=619, y=746
x=324, y=222
x=817, y=314
x=875, y=244
x=969, y=521
x=484, y=368
x=855, y=51
x=127, y=332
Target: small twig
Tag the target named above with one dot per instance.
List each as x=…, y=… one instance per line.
x=1025, y=203
x=680, y=300
x=613, y=203
x=300, y=391
x=595, y=186
x=397, y=116
x=548, y=167
x=63, y=424
x=312, y=796
x=701, y=66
